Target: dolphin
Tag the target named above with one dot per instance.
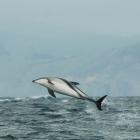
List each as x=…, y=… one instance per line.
x=65, y=87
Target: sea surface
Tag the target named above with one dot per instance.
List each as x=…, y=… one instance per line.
x=46, y=118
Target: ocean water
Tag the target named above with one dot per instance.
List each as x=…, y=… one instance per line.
x=46, y=118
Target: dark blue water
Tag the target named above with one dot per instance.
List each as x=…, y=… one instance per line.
x=69, y=119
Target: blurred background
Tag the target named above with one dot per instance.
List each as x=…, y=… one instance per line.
x=96, y=43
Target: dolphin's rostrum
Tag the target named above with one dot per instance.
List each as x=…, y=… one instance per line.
x=65, y=87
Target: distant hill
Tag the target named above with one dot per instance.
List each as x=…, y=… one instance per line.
x=102, y=64
x=117, y=73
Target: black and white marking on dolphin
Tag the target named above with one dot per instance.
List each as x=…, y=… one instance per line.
x=68, y=88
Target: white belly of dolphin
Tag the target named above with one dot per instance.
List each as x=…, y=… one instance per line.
x=61, y=87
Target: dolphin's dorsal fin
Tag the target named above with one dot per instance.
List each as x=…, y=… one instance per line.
x=51, y=92
x=75, y=83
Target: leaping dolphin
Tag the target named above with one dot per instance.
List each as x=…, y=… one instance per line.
x=62, y=86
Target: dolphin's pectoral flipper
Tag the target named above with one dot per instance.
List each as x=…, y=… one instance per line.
x=75, y=83
x=51, y=92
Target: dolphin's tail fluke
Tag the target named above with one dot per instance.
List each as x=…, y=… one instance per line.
x=99, y=102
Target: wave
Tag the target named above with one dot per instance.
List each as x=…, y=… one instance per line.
x=9, y=99
x=8, y=137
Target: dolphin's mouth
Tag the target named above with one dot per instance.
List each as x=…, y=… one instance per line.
x=36, y=82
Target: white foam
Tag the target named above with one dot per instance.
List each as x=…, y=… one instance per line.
x=37, y=97
x=64, y=100
x=90, y=108
x=3, y=100
x=18, y=99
